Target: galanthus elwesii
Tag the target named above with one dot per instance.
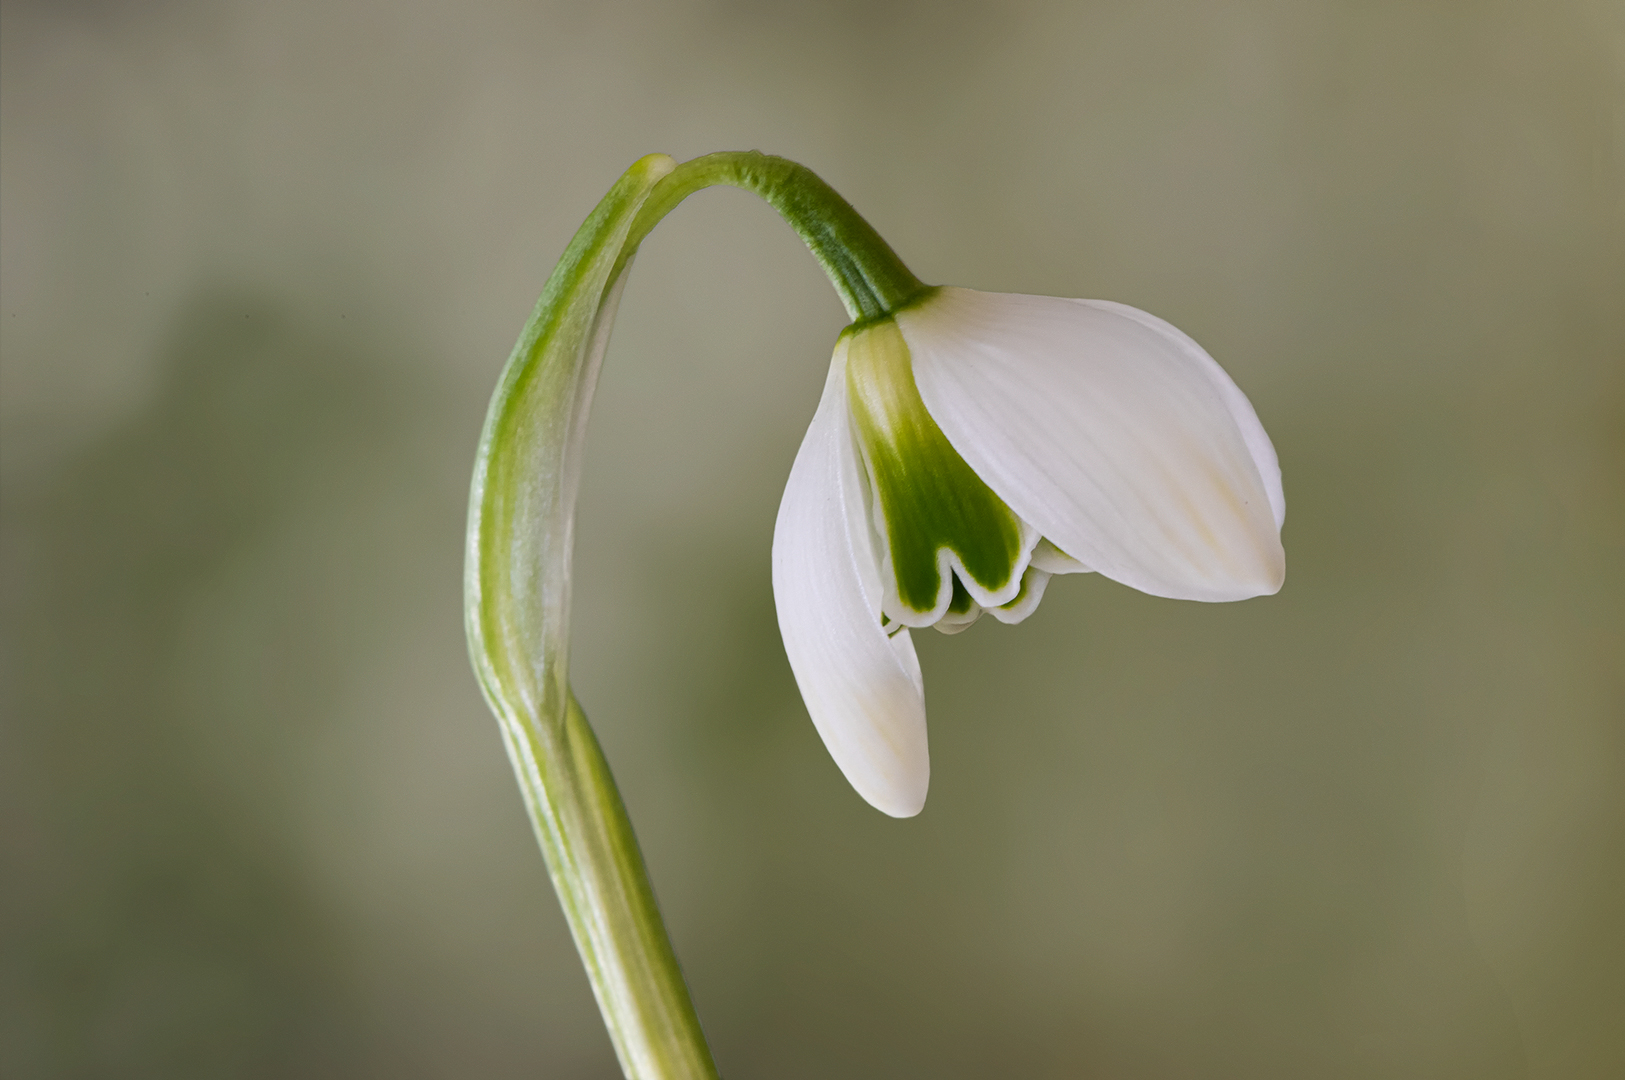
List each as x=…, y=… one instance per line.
x=969, y=446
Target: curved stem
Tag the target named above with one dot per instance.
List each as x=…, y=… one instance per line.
x=872, y=280
x=517, y=604
x=517, y=577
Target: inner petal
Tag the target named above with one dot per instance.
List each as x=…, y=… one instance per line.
x=962, y=611
x=933, y=514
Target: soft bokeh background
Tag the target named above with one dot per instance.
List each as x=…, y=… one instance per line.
x=262, y=263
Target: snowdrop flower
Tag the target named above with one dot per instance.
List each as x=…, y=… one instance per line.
x=968, y=447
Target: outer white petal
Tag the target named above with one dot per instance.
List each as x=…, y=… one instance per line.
x=862, y=688
x=1115, y=434
x=1241, y=410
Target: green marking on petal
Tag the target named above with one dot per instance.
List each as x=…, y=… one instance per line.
x=1020, y=596
x=929, y=498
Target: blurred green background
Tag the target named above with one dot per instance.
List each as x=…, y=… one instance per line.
x=261, y=266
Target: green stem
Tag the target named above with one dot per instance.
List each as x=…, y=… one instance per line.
x=517, y=576
x=872, y=280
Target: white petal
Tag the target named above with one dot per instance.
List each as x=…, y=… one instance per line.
x=1125, y=444
x=862, y=688
x=1241, y=410
x=1052, y=560
x=1033, y=583
x=951, y=623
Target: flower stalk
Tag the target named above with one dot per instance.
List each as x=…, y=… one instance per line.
x=518, y=571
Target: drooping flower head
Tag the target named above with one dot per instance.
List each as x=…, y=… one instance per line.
x=970, y=446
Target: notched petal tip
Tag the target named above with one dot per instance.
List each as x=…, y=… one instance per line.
x=1033, y=584
x=940, y=531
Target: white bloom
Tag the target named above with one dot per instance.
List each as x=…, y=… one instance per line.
x=969, y=447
